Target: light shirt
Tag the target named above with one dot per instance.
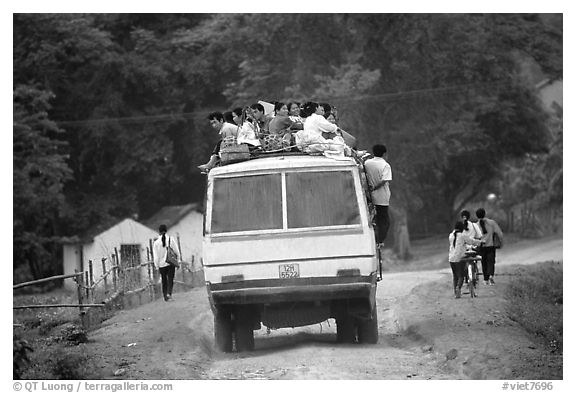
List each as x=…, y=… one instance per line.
x=310, y=139
x=378, y=170
x=492, y=227
x=473, y=230
x=458, y=251
x=160, y=251
x=247, y=134
x=229, y=130
x=318, y=124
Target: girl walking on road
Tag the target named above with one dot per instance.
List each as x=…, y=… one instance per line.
x=456, y=253
x=166, y=270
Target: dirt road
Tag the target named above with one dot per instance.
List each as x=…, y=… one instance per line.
x=424, y=334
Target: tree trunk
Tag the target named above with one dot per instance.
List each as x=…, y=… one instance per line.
x=401, y=234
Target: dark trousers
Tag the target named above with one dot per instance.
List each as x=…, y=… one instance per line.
x=382, y=223
x=488, y=261
x=216, y=149
x=458, y=272
x=167, y=274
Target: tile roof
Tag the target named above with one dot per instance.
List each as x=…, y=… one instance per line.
x=171, y=215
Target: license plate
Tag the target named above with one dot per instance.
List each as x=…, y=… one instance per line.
x=289, y=271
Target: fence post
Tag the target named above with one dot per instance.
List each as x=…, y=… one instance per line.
x=151, y=247
x=86, y=287
x=79, y=283
x=105, y=277
x=114, y=274
x=91, y=275
x=120, y=272
x=180, y=252
x=150, y=277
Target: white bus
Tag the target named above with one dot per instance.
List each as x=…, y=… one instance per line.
x=288, y=242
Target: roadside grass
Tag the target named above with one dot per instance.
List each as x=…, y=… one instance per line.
x=40, y=321
x=534, y=300
x=47, y=341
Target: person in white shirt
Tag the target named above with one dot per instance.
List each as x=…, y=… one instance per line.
x=471, y=229
x=379, y=176
x=225, y=130
x=167, y=271
x=250, y=130
x=311, y=138
x=458, y=241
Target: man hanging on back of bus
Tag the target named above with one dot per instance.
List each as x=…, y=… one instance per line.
x=379, y=175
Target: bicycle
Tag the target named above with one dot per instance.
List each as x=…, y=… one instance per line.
x=472, y=272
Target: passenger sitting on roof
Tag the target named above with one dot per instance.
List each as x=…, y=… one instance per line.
x=237, y=116
x=294, y=114
x=327, y=109
x=225, y=130
x=229, y=117
x=248, y=133
x=331, y=115
x=281, y=124
x=331, y=118
x=260, y=120
x=310, y=139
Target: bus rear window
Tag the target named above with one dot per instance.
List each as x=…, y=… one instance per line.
x=247, y=203
x=316, y=199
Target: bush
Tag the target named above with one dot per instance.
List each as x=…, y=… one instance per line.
x=70, y=366
x=72, y=334
x=20, y=350
x=535, y=301
x=50, y=362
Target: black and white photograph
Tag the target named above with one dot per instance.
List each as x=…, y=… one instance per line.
x=287, y=194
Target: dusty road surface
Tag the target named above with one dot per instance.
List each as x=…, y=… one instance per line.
x=424, y=333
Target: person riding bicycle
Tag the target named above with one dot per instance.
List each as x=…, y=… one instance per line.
x=472, y=230
x=457, y=252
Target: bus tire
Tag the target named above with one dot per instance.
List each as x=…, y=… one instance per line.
x=345, y=329
x=244, y=331
x=368, y=329
x=223, y=331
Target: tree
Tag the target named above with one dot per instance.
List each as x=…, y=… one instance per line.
x=443, y=91
x=40, y=171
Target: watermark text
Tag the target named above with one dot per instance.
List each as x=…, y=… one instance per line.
x=83, y=386
x=519, y=386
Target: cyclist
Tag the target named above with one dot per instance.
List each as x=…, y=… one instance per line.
x=471, y=229
x=456, y=253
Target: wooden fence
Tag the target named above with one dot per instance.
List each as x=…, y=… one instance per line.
x=118, y=287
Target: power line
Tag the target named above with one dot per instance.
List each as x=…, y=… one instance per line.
x=391, y=97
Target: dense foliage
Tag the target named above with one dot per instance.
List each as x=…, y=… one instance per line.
x=110, y=109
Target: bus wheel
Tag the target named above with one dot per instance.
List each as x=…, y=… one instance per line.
x=223, y=331
x=368, y=329
x=345, y=329
x=244, y=331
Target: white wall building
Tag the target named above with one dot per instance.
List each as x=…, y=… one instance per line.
x=128, y=238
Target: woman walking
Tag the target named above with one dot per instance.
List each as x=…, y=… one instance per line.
x=166, y=270
x=456, y=253
x=492, y=238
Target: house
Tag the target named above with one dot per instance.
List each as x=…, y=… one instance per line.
x=128, y=238
x=185, y=223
